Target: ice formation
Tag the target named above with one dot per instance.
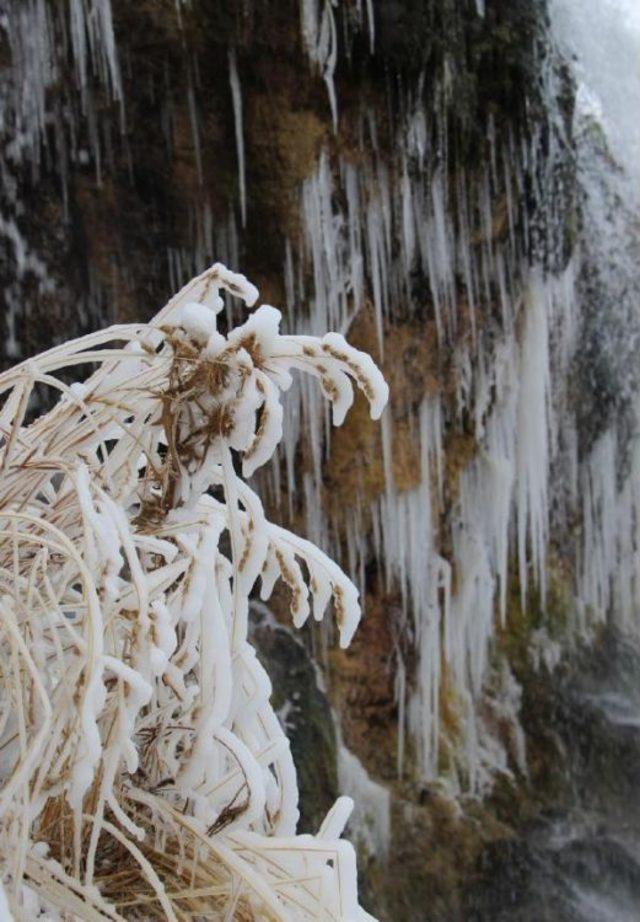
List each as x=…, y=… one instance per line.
x=236, y=97
x=370, y=822
x=402, y=230
x=320, y=38
x=321, y=41
x=354, y=221
x=368, y=232
x=141, y=761
x=43, y=38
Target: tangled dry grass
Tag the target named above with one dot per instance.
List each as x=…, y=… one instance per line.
x=143, y=772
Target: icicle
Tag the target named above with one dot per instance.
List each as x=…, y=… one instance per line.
x=372, y=25
x=532, y=443
x=195, y=127
x=236, y=97
x=371, y=818
x=321, y=42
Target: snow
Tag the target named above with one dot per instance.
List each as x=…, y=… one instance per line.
x=198, y=321
x=235, y=283
x=336, y=819
x=367, y=375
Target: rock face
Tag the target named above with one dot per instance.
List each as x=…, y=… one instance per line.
x=127, y=178
x=306, y=715
x=412, y=172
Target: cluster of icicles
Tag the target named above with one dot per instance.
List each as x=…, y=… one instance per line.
x=143, y=771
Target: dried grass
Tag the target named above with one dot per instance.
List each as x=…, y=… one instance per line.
x=143, y=772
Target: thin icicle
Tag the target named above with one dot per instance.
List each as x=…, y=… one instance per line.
x=236, y=98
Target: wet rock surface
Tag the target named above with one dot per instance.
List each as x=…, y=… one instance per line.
x=578, y=858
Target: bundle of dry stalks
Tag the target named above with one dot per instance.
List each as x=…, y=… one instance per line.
x=143, y=772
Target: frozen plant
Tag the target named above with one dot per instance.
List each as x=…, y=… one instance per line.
x=143, y=772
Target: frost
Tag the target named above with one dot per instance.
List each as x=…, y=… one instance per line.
x=138, y=718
